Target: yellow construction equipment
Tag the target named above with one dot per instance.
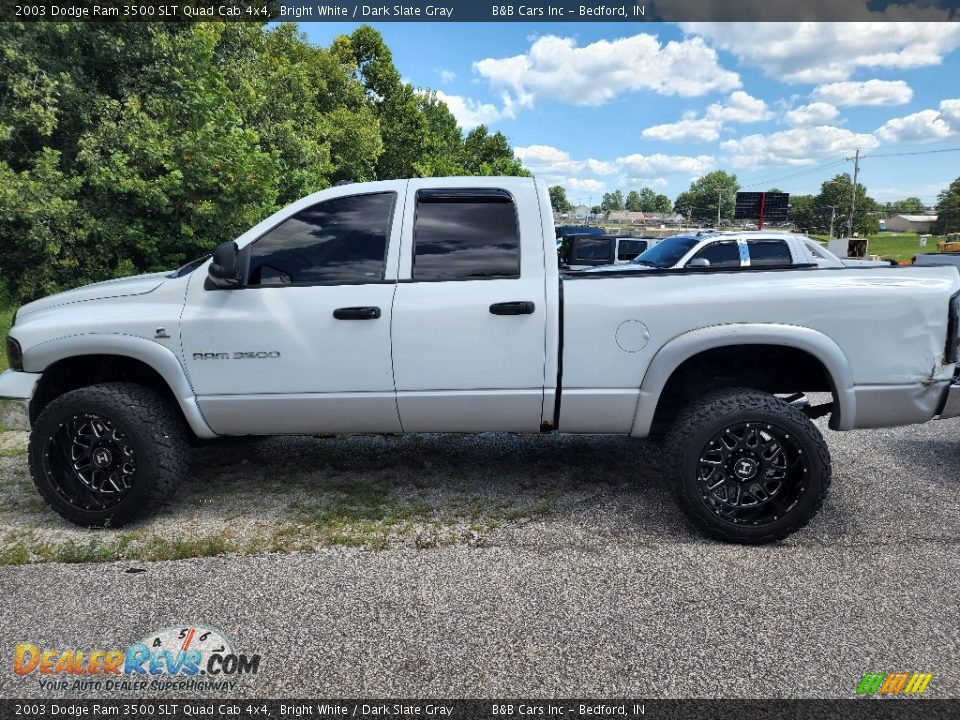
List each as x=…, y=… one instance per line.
x=951, y=243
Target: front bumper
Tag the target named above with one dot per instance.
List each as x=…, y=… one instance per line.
x=16, y=391
x=951, y=405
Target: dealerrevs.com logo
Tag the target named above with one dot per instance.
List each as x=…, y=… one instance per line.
x=175, y=658
x=901, y=683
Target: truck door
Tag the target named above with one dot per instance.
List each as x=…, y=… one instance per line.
x=304, y=345
x=469, y=316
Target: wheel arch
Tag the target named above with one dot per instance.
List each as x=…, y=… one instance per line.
x=81, y=360
x=816, y=346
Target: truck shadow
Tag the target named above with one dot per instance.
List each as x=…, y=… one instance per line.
x=378, y=491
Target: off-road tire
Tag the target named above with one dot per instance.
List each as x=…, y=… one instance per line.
x=703, y=420
x=150, y=424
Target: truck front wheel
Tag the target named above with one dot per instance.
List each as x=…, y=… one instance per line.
x=746, y=466
x=107, y=454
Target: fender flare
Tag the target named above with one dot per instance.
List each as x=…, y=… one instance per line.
x=158, y=357
x=683, y=347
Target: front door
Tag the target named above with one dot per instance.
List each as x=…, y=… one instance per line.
x=304, y=346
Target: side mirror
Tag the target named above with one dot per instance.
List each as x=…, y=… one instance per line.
x=698, y=263
x=225, y=269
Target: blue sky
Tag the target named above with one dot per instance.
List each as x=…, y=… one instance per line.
x=597, y=107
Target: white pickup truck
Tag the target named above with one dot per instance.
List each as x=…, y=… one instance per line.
x=437, y=305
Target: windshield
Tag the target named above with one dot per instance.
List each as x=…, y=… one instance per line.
x=667, y=253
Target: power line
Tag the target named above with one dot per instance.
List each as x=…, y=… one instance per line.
x=818, y=168
x=919, y=152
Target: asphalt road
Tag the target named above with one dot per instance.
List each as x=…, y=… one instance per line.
x=616, y=595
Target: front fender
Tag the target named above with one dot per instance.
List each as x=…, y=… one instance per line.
x=683, y=347
x=41, y=356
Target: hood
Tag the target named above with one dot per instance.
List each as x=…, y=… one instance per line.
x=121, y=287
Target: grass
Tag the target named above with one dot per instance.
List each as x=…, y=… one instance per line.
x=896, y=246
x=6, y=320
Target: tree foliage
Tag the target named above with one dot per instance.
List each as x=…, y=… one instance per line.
x=699, y=202
x=558, y=200
x=129, y=147
x=948, y=209
x=612, y=202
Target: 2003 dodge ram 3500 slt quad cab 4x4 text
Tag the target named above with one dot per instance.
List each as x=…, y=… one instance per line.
x=437, y=305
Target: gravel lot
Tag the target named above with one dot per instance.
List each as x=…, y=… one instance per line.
x=505, y=566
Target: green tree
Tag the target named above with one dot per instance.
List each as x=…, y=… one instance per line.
x=129, y=147
x=802, y=213
x=699, y=202
x=486, y=154
x=632, y=203
x=662, y=204
x=948, y=209
x=836, y=194
x=612, y=202
x=907, y=206
x=558, y=200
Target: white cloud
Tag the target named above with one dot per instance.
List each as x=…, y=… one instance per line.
x=819, y=52
x=555, y=68
x=924, y=126
x=558, y=168
x=583, y=185
x=691, y=130
x=447, y=76
x=470, y=113
x=817, y=113
x=950, y=111
x=741, y=107
x=799, y=146
x=548, y=160
x=659, y=164
x=869, y=92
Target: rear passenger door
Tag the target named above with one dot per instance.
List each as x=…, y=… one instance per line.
x=469, y=315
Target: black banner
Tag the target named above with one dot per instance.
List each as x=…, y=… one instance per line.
x=499, y=709
x=632, y=11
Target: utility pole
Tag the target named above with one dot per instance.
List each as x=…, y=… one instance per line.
x=719, y=200
x=853, y=198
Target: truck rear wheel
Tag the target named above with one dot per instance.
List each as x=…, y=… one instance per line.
x=107, y=454
x=746, y=466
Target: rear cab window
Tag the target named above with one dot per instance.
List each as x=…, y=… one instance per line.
x=464, y=234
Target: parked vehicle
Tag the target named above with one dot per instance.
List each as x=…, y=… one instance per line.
x=583, y=251
x=740, y=249
x=435, y=304
x=937, y=259
x=562, y=230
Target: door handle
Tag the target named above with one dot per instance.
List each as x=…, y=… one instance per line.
x=519, y=307
x=357, y=313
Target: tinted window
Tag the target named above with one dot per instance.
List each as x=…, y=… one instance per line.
x=343, y=240
x=721, y=254
x=768, y=252
x=629, y=249
x=463, y=235
x=667, y=253
x=593, y=248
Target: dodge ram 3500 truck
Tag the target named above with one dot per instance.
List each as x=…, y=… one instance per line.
x=437, y=305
